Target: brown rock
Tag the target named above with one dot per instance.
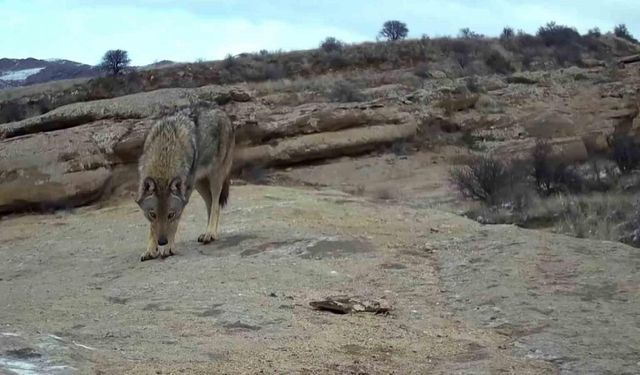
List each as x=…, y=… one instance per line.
x=63, y=168
x=137, y=106
x=316, y=118
x=323, y=145
x=45, y=192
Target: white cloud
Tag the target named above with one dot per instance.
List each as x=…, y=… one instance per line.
x=149, y=34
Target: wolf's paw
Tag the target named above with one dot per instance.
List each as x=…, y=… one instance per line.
x=166, y=253
x=148, y=255
x=207, y=237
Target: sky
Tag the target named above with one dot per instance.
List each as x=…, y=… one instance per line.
x=188, y=30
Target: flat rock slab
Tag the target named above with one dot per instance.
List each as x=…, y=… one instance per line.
x=239, y=305
x=76, y=298
x=572, y=302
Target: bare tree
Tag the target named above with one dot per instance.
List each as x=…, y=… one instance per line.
x=115, y=62
x=394, y=30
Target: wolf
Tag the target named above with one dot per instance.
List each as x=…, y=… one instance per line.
x=183, y=152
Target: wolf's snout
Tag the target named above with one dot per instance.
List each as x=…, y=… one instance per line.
x=162, y=241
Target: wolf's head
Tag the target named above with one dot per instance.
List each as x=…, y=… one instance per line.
x=162, y=203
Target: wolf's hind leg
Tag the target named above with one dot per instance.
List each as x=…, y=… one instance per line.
x=215, y=186
x=204, y=190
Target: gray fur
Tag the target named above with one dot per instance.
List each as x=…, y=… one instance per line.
x=183, y=153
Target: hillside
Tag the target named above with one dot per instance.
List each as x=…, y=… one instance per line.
x=30, y=71
x=439, y=57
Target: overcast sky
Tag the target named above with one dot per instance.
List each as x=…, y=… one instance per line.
x=186, y=30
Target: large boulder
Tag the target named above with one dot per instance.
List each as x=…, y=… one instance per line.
x=63, y=168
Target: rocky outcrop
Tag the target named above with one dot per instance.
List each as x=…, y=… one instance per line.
x=66, y=157
x=324, y=145
x=316, y=118
x=138, y=106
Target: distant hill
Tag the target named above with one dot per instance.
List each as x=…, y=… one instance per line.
x=29, y=71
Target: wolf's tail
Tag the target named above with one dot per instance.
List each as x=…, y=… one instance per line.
x=224, y=194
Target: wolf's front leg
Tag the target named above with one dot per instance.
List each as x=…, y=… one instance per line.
x=152, y=248
x=167, y=251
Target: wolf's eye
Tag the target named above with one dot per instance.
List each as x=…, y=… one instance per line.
x=171, y=215
x=152, y=215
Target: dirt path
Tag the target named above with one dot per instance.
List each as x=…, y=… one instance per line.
x=76, y=299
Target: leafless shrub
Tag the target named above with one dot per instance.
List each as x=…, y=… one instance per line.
x=626, y=153
x=345, y=91
x=487, y=179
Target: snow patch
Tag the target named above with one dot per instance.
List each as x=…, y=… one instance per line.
x=19, y=75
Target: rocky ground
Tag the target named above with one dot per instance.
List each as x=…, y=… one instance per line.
x=464, y=298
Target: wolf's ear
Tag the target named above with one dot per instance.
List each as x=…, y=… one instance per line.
x=178, y=187
x=147, y=187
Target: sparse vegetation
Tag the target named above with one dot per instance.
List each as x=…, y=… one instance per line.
x=345, y=91
x=422, y=70
x=498, y=63
x=588, y=200
x=553, y=34
x=466, y=33
x=486, y=179
x=599, y=216
x=621, y=31
x=115, y=62
x=626, y=153
x=394, y=30
x=331, y=44
x=507, y=34
x=552, y=175
x=473, y=56
x=463, y=51
x=594, y=33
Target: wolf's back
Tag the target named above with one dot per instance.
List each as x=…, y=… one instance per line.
x=170, y=148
